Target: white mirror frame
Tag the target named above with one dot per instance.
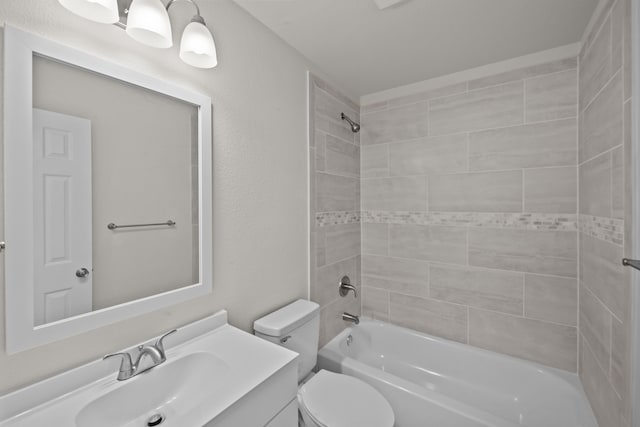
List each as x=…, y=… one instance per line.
x=21, y=332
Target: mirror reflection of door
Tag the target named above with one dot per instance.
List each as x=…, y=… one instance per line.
x=62, y=216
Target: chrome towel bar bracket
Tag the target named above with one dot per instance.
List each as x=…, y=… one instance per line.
x=631, y=263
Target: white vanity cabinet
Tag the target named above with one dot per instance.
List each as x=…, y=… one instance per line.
x=273, y=403
x=288, y=417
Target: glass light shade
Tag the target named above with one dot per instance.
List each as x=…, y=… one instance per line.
x=148, y=23
x=197, y=47
x=103, y=11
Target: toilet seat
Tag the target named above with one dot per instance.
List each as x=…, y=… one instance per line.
x=338, y=400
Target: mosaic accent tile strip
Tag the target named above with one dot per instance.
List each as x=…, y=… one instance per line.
x=324, y=219
x=607, y=229
x=527, y=221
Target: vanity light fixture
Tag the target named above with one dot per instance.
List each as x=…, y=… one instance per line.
x=197, y=47
x=147, y=21
x=104, y=11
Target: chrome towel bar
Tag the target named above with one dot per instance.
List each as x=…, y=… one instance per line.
x=112, y=226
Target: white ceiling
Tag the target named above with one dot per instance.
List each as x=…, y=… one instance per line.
x=367, y=50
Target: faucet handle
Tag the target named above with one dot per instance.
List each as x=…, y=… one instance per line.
x=159, y=344
x=126, y=367
x=344, y=286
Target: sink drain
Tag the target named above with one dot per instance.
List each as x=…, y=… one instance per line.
x=155, y=420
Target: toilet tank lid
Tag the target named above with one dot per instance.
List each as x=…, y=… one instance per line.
x=286, y=319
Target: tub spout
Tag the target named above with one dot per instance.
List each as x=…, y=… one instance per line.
x=350, y=318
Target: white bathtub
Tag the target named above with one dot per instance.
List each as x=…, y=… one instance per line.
x=432, y=382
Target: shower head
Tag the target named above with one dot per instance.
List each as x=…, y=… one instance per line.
x=355, y=127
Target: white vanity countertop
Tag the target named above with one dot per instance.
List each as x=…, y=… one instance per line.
x=248, y=362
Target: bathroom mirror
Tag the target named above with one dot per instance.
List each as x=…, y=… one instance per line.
x=106, y=172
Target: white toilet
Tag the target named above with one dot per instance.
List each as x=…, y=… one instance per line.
x=325, y=399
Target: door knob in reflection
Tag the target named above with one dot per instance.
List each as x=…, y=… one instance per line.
x=82, y=272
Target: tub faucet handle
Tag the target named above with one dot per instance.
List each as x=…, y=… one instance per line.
x=344, y=286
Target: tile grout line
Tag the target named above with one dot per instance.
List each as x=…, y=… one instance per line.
x=335, y=136
x=524, y=295
x=607, y=151
x=468, y=325
x=388, y=107
x=337, y=174
x=609, y=373
x=468, y=248
x=596, y=31
x=471, y=307
x=329, y=264
x=355, y=106
x=541, y=76
x=578, y=200
x=471, y=172
x=388, y=248
x=612, y=190
x=524, y=101
x=606, y=307
x=523, y=194
x=450, y=266
x=528, y=77
x=593, y=354
x=468, y=162
x=409, y=104
x=597, y=94
x=471, y=131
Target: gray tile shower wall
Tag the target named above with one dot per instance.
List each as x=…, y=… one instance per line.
x=334, y=167
x=492, y=212
x=469, y=212
x=605, y=214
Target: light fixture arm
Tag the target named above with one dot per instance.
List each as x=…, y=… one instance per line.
x=124, y=5
x=172, y=2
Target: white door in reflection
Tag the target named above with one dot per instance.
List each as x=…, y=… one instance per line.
x=62, y=216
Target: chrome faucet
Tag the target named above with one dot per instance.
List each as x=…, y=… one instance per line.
x=350, y=318
x=154, y=351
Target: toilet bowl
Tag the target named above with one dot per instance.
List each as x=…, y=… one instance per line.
x=325, y=399
x=336, y=400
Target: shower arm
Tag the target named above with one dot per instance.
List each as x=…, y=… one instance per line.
x=355, y=127
x=343, y=116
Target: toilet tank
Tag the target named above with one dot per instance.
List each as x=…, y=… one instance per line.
x=295, y=326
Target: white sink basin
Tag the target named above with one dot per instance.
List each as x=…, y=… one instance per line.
x=215, y=375
x=171, y=390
